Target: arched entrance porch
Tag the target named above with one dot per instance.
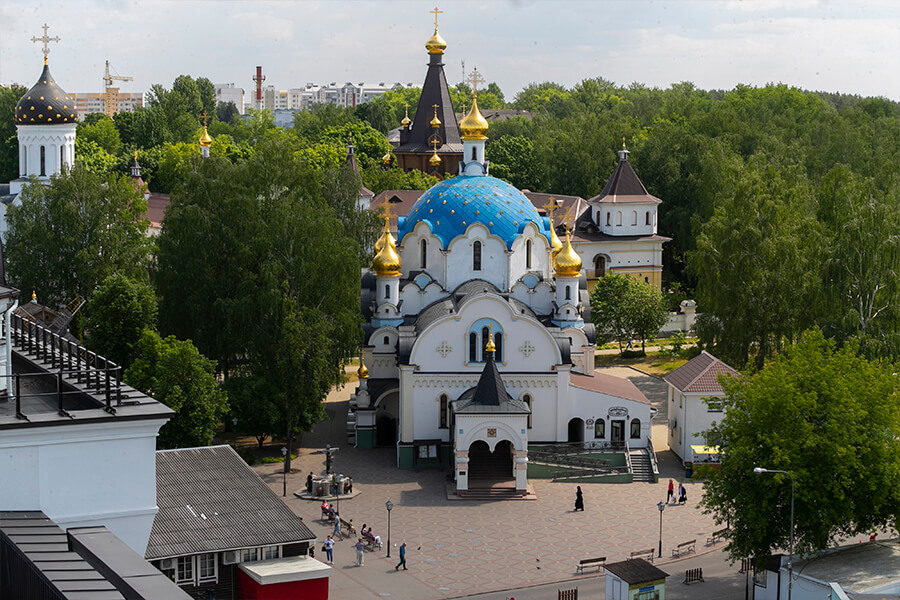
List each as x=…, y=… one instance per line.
x=491, y=469
x=576, y=430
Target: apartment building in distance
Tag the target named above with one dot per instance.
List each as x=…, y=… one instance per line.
x=95, y=102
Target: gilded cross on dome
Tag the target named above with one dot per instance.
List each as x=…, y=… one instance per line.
x=551, y=207
x=204, y=117
x=45, y=39
x=475, y=79
x=436, y=13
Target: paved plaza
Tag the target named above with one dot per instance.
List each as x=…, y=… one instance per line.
x=458, y=548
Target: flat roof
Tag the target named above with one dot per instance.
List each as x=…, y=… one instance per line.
x=283, y=570
x=858, y=567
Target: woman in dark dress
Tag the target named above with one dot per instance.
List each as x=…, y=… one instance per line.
x=579, y=499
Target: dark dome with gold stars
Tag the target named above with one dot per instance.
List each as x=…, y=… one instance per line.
x=45, y=103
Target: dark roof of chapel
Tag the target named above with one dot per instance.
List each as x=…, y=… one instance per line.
x=700, y=374
x=624, y=186
x=490, y=395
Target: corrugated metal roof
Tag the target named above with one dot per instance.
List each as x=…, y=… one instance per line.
x=618, y=387
x=210, y=500
x=700, y=374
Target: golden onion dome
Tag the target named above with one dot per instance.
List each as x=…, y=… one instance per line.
x=489, y=347
x=363, y=370
x=567, y=263
x=205, y=140
x=436, y=44
x=387, y=262
x=388, y=158
x=435, y=122
x=406, y=121
x=555, y=244
x=474, y=126
x=435, y=160
x=385, y=235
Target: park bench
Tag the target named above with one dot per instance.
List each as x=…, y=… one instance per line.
x=348, y=526
x=369, y=539
x=684, y=548
x=600, y=563
x=646, y=554
x=716, y=536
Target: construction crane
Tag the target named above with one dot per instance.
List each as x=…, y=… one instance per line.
x=112, y=93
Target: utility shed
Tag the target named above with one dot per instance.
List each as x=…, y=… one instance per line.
x=635, y=579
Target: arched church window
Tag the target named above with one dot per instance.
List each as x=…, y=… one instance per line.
x=473, y=347
x=424, y=254
x=62, y=157
x=568, y=292
x=387, y=292
x=43, y=162
x=608, y=218
x=498, y=345
x=474, y=155
x=648, y=218
x=634, y=217
x=24, y=168
x=476, y=256
x=528, y=254
x=387, y=341
x=527, y=400
x=444, y=404
x=619, y=218
x=599, y=429
x=635, y=429
x=600, y=266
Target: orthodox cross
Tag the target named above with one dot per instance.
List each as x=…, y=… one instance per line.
x=204, y=117
x=551, y=207
x=435, y=107
x=45, y=39
x=387, y=210
x=436, y=13
x=475, y=79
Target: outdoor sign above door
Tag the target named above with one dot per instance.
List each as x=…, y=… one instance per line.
x=618, y=411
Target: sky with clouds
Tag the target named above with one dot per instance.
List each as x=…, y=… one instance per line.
x=836, y=46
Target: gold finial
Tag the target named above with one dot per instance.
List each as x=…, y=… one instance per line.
x=623, y=151
x=435, y=122
x=435, y=160
x=204, y=118
x=135, y=156
x=489, y=347
x=405, y=122
x=33, y=295
x=474, y=126
x=387, y=261
x=436, y=44
x=555, y=243
x=388, y=158
x=46, y=39
x=362, y=371
x=205, y=140
x=386, y=232
x=567, y=263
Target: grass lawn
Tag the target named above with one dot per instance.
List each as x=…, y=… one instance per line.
x=654, y=363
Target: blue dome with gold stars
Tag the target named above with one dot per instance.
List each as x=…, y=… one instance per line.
x=451, y=206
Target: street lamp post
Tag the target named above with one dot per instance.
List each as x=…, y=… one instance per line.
x=661, y=506
x=758, y=471
x=284, y=470
x=389, y=505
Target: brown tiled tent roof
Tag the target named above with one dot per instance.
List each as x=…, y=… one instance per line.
x=625, y=187
x=700, y=374
x=210, y=501
x=609, y=385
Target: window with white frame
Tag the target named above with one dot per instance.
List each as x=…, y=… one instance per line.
x=713, y=404
x=206, y=567
x=250, y=555
x=270, y=552
x=184, y=570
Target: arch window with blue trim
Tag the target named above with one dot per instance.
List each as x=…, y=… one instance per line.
x=478, y=335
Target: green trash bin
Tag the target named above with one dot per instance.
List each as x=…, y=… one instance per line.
x=688, y=469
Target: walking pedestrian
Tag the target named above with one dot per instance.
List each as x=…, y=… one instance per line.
x=337, y=526
x=360, y=547
x=671, y=494
x=329, y=550
x=402, y=562
x=682, y=494
x=309, y=482
x=579, y=500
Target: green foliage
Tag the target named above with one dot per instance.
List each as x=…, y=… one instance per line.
x=118, y=312
x=646, y=310
x=175, y=373
x=101, y=130
x=623, y=307
x=9, y=144
x=828, y=417
x=389, y=108
x=175, y=161
x=227, y=112
x=379, y=179
x=93, y=157
x=67, y=237
x=512, y=158
x=251, y=401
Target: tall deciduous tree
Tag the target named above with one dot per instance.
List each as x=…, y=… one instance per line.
x=647, y=310
x=117, y=314
x=623, y=307
x=831, y=419
x=757, y=262
x=175, y=373
x=67, y=237
x=9, y=143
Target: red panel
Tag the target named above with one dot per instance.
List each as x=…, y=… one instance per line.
x=311, y=589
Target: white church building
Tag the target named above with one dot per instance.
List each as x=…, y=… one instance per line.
x=478, y=335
